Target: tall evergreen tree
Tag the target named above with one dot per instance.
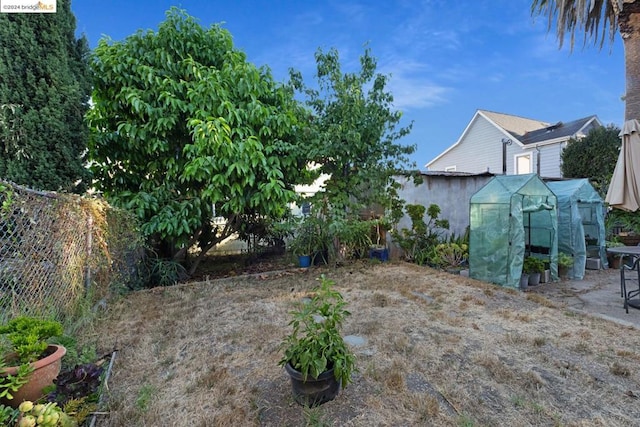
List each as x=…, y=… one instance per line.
x=44, y=93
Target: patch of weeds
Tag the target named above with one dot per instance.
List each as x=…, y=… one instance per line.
x=505, y=313
x=620, y=369
x=538, y=408
x=164, y=272
x=401, y=344
x=371, y=371
x=625, y=353
x=494, y=366
x=518, y=401
x=557, y=420
x=514, y=338
x=395, y=381
x=394, y=376
x=258, y=406
x=465, y=421
x=455, y=321
x=75, y=356
x=533, y=381
x=314, y=417
x=212, y=376
x=145, y=394
x=425, y=407
x=539, y=341
x=541, y=300
x=380, y=300
x=585, y=334
x=582, y=347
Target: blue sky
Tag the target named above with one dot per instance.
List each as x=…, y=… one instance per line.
x=446, y=59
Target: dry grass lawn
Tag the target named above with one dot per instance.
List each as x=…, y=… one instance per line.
x=442, y=350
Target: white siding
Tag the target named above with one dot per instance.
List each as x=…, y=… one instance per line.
x=550, y=160
x=479, y=150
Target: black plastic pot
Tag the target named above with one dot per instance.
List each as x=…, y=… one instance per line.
x=320, y=257
x=313, y=392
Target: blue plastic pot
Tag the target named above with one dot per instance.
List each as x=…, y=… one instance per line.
x=304, y=260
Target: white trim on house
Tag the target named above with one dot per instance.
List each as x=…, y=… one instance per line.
x=517, y=162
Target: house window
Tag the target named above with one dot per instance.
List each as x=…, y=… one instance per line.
x=450, y=169
x=523, y=163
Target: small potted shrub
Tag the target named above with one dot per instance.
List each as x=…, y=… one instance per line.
x=310, y=241
x=534, y=267
x=316, y=357
x=565, y=262
x=613, y=259
x=29, y=363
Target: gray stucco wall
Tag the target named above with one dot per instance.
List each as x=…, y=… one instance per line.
x=451, y=191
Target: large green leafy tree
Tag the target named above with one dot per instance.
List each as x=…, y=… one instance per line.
x=44, y=93
x=593, y=157
x=184, y=128
x=623, y=16
x=354, y=134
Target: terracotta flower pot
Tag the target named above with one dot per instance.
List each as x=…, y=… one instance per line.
x=45, y=371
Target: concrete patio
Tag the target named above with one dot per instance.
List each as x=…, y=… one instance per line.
x=598, y=294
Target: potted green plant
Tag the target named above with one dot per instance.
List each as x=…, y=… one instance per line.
x=29, y=363
x=353, y=237
x=612, y=259
x=534, y=267
x=316, y=356
x=379, y=250
x=302, y=244
x=565, y=262
x=310, y=241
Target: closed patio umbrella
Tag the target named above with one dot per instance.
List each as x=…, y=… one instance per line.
x=624, y=188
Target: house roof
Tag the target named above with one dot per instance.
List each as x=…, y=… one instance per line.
x=526, y=131
x=559, y=130
x=515, y=125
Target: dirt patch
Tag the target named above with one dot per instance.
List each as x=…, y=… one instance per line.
x=440, y=350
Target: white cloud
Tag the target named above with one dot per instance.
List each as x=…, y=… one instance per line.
x=412, y=93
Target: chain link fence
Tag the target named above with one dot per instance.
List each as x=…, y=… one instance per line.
x=58, y=250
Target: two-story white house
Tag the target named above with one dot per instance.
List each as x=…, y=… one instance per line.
x=502, y=143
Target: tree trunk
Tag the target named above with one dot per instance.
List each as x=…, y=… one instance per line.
x=629, y=25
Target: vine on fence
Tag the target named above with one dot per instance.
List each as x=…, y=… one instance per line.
x=55, y=249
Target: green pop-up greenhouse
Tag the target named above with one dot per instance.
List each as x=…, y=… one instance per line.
x=511, y=217
x=581, y=232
